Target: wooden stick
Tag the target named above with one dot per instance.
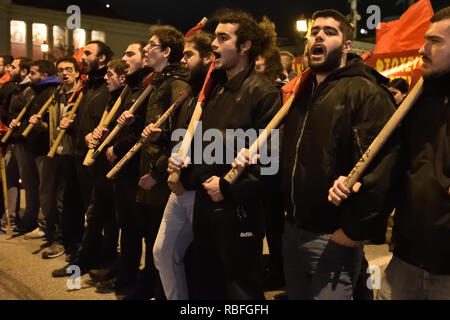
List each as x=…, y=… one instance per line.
x=383, y=136
x=118, y=127
x=18, y=119
x=62, y=132
x=30, y=126
x=138, y=145
x=193, y=123
x=104, y=122
x=5, y=191
x=233, y=174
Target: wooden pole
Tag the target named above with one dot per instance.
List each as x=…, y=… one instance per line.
x=62, y=132
x=139, y=144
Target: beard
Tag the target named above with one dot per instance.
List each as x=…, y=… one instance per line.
x=197, y=75
x=332, y=61
x=92, y=66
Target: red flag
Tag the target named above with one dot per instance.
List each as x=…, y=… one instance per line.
x=296, y=85
x=406, y=33
x=208, y=84
x=197, y=29
x=5, y=78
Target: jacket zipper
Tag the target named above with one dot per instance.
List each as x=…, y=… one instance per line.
x=295, y=162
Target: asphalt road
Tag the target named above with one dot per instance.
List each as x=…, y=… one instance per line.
x=24, y=275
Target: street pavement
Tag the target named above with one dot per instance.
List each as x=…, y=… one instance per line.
x=24, y=275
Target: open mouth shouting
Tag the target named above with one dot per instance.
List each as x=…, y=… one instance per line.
x=217, y=56
x=318, y=51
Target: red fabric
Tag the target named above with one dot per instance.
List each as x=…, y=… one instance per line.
x=406, y=33
x=197, y=29
x=148, y=80
x=5, y=78
x=295, y=85
x=207, y=85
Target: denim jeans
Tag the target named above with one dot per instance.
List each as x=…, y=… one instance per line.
x=403, y=281
x=317, y=268
x=174, y=238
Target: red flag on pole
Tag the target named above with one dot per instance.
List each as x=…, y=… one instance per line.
x=406, y=33
x=197, y=29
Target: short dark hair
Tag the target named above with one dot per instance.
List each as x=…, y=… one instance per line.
x=261, y=36
x=141, y=44
x=400, y=84
x=103, y=49
x=344, y=24
x=202, y=43
x=273, y=64
x=71, y=60
x=45, y=66
x=118, y=65
x=24, y=63
x=170, y=38
x=7, y=59
x=441, y=15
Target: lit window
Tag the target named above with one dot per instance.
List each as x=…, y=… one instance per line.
x=60, y=37
x=18, y=38
x=79, y=38
x=98, y=35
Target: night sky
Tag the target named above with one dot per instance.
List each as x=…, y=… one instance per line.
x=185, y=14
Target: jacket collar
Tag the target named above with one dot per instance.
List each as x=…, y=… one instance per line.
x=135, y=79
x=97, y=75
x=220, y=76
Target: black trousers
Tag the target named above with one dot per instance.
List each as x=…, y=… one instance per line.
x=76, y=201
x=227, y=251
x=136, y=221
x=99, y=244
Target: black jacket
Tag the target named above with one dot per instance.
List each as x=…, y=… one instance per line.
x=247, y=101
x=38, y=138
x=422, y=219
x=129, y=135
x=326, y=131
x=90, y=110
x=154, y=156
x=17, y=101
x=6, y=92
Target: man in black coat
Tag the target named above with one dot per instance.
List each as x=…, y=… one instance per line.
x=420, y=267
x=342, y=107
x=228, y=222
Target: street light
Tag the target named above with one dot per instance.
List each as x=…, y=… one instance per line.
x=302, y=25
x=302, y=28
x=44, y=48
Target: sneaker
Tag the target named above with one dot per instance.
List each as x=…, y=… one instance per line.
x=54, y=251
x=35, y=234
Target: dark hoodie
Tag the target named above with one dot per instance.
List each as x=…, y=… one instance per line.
x=422, y=219
x=327, y=130
x=38, y=139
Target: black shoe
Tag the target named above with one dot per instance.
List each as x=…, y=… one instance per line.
x=65, y=272
x=104, y=274
x=273, y=281
x=107, y=286
x=141, y=293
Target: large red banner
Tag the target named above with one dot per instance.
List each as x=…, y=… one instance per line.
x=406, y=65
